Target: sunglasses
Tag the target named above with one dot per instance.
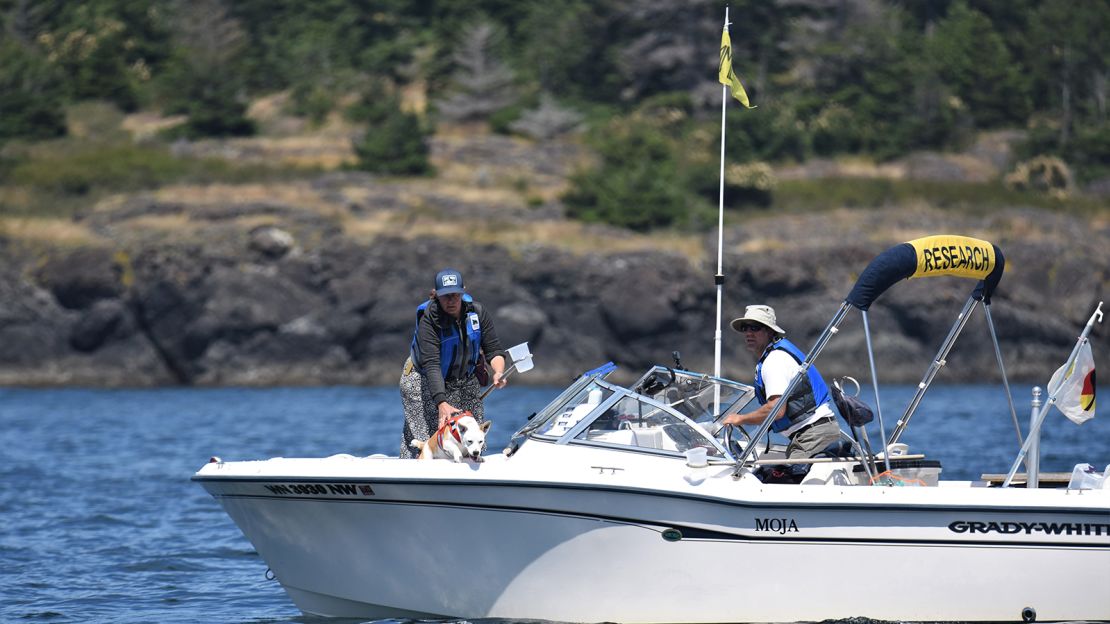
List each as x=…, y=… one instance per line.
x=747, y=327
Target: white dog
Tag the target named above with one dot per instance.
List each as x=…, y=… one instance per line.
x=461, y=437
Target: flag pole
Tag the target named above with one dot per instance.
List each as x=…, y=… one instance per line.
x=1038, y=420
x=719, y=278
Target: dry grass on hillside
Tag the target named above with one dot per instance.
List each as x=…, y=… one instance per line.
x=48, y=232
x=488, y=189
x=290, y=194
x=570, y=236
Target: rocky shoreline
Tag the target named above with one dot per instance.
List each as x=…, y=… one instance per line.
x=216, y=292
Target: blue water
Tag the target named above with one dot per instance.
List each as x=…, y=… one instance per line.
x=101, y=522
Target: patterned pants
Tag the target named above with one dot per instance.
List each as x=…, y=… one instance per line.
x=421, y=414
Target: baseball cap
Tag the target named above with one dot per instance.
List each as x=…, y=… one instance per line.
x=448, y=281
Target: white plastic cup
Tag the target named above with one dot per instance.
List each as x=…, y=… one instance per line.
x=696, y=457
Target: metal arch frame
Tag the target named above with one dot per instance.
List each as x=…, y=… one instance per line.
x=938, y=362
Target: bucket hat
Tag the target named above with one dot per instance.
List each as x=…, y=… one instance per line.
x=762, y=314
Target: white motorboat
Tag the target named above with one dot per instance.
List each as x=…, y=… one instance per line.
x=619, y=504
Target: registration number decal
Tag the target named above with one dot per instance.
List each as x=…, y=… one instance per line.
x=320, y=489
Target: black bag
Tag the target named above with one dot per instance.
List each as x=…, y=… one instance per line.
x=782, y=473
x=480, y=370
x=855, y=411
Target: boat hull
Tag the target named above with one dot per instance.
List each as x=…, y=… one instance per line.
x=699, y=547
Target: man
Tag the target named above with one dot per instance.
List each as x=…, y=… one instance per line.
x=440, y=377
x=808, y=419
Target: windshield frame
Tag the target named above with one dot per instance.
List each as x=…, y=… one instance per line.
x=618, y=393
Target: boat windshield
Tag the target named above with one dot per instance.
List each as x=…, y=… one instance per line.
x=576, y=394
x=694, y=394
x=666, y=411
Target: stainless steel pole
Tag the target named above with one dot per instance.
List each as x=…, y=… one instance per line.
x=1002, y=369
x=1033, y=459
x=875, y=385
x=938, y=362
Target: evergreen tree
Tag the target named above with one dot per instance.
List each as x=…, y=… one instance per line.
x=482, y=84
x=973, y=61
x=637, y=184
x=566, y=49
x=1070, y=59
x=395, y=142
x=547, y=120
x=30, y=95
x=106, y=49
x=204, y=80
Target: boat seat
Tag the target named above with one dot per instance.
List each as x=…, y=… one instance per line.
x=643, y=438
x=649, y=438
x=623, y=437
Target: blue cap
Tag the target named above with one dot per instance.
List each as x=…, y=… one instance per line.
x=448, y=281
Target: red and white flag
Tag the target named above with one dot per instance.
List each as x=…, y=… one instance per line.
x=1076, y=394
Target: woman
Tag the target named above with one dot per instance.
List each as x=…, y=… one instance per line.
x=440, y=376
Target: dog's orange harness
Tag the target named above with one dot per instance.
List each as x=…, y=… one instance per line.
x=452, y=425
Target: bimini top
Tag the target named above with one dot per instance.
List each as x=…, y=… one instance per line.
x=945, y=254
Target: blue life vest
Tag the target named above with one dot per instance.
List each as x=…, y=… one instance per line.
x=809, y=394
x=450, y=342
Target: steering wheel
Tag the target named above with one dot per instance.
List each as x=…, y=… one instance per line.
x=734, y=446
x=654, y=384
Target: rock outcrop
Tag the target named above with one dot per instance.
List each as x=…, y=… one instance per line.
x=252, y=294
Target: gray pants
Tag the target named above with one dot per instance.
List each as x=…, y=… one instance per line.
x=812, y=440
x=421, y=413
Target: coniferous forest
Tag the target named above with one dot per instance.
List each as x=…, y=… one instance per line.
x=874, y=78
x=258, y=191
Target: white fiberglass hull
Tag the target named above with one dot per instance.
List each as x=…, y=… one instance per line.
x=621, y=537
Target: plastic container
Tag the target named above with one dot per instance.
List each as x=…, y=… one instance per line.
x=1085, y=477
x=696, y=457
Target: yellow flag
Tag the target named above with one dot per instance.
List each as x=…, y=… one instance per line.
x=726, y=75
